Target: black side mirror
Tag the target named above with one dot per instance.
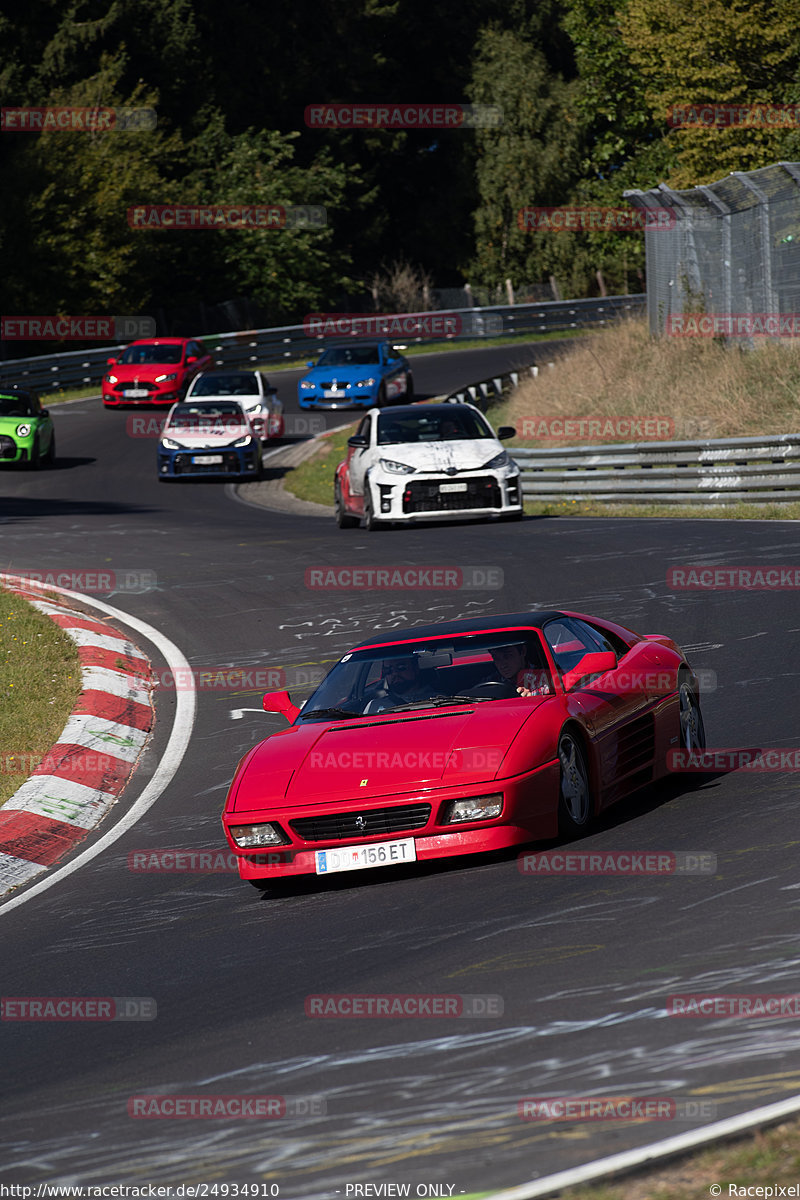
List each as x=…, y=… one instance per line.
x=505, y=432
x=357, y=441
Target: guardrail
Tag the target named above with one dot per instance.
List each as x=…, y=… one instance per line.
x=248, y=348
x=723, y=471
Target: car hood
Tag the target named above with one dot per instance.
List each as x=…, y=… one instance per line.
x=379, y=756
x=346, y=374
x=144, y=372
x=442, y=456
x=210, y=438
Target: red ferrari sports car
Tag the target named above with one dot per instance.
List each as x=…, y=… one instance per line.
x=467, y=736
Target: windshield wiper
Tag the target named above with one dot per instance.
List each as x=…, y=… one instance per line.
x=330, y=712
x=436, y=702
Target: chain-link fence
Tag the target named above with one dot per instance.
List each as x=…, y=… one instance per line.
x=723, y=260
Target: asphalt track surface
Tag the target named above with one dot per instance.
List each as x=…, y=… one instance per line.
x=584, y=965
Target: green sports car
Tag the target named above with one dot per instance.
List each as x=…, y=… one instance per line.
x=26, y=429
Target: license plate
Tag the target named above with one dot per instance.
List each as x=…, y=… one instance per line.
x=135, y=392
x=358, y=858
x=207, y=458
x=332, y=393
x=452, y=487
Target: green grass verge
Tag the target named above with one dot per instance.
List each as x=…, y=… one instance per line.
x=40, y=680
x=313, y=479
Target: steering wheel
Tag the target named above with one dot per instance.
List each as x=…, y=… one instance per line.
x=492, y=687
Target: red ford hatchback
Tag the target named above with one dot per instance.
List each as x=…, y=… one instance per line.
x=154, y=371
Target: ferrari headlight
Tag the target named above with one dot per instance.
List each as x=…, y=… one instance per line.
x=474, y=808
x=169, y=444
x=250, y=836
x=243, y=441
x=396, y=468
x=111, y=379
x=23, y=430
x=166, y=378
x=364, y=382
x=499, y=460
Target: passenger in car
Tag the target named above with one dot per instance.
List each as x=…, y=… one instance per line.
x=512, y=663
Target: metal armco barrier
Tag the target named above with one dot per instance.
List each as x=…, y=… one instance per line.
x=726, y=471
x=81, y=368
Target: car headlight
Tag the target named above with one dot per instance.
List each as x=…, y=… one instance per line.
x=23, y=430
x=166, y=378
x=243, y=441
x=307, y=385
x=249, y=836
x=364, y=382
x=474, y=808
x=396, y=468
x=111, y=379
x=499, y=460
x=169, y=444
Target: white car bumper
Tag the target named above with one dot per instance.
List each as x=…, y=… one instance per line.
x=427, y=496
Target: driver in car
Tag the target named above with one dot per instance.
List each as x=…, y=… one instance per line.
x=401, y=684
x=512, y=663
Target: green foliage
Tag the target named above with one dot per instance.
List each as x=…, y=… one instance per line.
x=584, y=86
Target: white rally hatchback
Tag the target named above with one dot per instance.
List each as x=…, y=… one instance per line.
x=426, y=462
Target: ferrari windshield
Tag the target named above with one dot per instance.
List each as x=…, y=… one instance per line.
x=477, y=667
x=141, y=355
x=349, y=356
x=440, y=425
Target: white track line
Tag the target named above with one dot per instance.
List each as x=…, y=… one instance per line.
x=185, y=710
x=629, y=1160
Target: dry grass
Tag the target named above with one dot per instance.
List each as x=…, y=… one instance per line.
x=708, y=390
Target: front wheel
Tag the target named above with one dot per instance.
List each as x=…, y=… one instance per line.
x=50, y=456
x=35, y=460
x=343, y=518
x=381, y=397
x=692, y=727
x=574, y=792
x=409, y=388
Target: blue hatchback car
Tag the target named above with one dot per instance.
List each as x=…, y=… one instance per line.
x=358, y=375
